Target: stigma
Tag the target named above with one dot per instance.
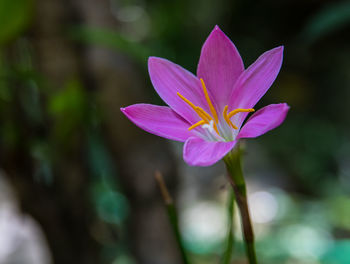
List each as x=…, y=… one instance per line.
x=211, y=121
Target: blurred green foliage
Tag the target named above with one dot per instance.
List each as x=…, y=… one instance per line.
x=110, y=39
x=310, y=150
x=338, y=254
x=333, y=17
x=68, y=107
x=14, y=18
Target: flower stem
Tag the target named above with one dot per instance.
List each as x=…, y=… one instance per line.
x=226, y=259
x=172, y=215
x=235, y=175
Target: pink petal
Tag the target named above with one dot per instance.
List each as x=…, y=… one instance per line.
x=264, y=120
x=199, y=152
x=169, y=78
x=219, y=65
x=253, y=83
x=158, y=120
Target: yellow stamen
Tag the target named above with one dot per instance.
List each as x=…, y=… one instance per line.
x=204, y=115
x=232, y=113
x=227, y=119
x=197, y=109
x=216, y=128
x=239, y=110
x=201, y=112
x=206, y=118
x=187, y=101
x=211, y=107
x=202, y=122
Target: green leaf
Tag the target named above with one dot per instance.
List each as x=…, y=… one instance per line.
x=15, y=16
x=230, y=238
x=110, y=39
x=332, y=17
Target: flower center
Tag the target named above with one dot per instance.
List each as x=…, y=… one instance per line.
x=212, y=120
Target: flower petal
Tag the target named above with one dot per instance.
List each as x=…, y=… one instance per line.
x=219, y=65
x=253, y=83
x=264, y=120
x=158, y=120
x=169, y=78
x=199, y=152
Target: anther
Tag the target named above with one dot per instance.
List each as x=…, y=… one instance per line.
x=239, y=110
x=202, y=122
x=227, y=119
x=232, y=113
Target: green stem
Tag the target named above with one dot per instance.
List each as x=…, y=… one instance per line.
x=234, y=168
x=174, y=223
x=172, y=215
x=226, y=259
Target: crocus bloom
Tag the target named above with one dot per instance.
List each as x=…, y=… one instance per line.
x=207, y=111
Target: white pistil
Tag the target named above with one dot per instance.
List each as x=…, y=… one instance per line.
x=212, y=133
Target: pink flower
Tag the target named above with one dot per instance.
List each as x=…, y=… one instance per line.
x=207, y=111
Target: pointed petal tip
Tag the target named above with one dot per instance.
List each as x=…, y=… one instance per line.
x=124, y=110
x=154, y=62
x=151, y=59
x=217, y=27
x=158, y=120
x=285, y=106
x=217, y=30
x=220, y=65
x=278, y=50
x=264, y=120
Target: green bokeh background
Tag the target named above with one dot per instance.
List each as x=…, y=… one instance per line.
x=52, y=126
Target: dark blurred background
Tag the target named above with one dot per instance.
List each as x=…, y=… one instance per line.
x=77, y=178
